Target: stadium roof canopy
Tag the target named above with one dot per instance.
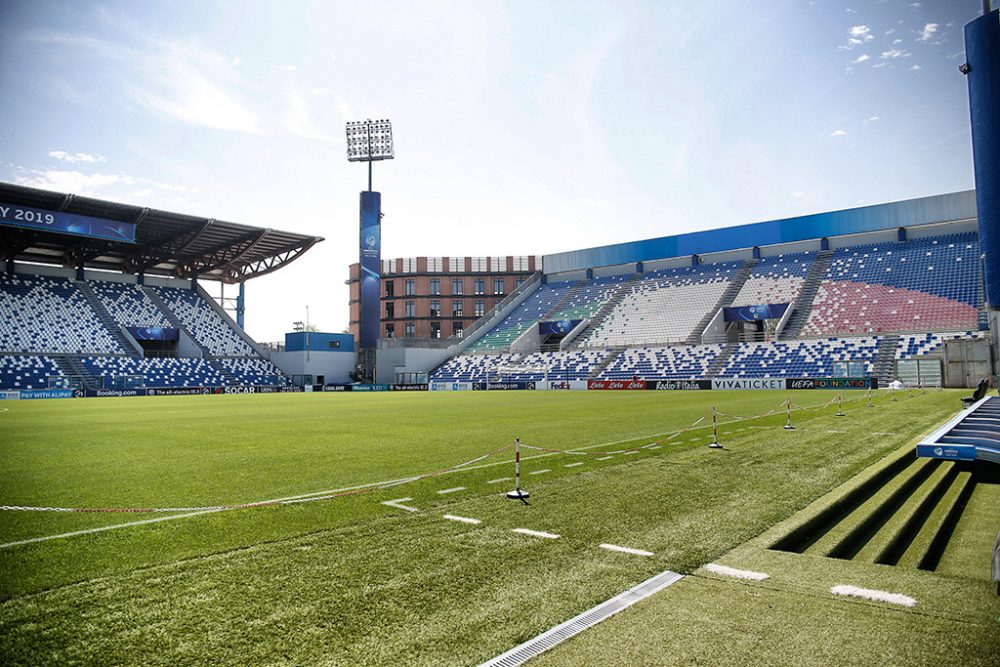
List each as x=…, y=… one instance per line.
x=166, y=244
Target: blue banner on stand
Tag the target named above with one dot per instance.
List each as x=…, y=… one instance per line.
x=767, y=311
x=370, y=294
x=154, y=333
x=66, y=223
x=562, y=327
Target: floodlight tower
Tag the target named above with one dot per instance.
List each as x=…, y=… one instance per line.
x=368, y=141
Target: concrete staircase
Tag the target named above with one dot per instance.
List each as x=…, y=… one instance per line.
x=735, y=285
x=106, y=319
x=230, y=379
x=175, y=322
x=885, y=360
x=563, y=302
x=720, y=361
x=600, y=366
x=602, y=313
x=802, y=305
x=71, y=366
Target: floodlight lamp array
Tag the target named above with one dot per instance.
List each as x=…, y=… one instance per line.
x=369, y=140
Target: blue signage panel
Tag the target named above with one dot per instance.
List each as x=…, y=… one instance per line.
x=949, y=452
x=772, y=311
x=154, y=333
x=560, y=328
x=371, y=269
x=66, y=223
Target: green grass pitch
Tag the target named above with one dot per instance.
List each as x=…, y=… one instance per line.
x=352, y=581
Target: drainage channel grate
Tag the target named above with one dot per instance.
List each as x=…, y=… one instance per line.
x=543, y=642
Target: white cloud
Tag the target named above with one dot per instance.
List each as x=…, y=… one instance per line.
x=91, y=185
x=838, y=133
x=798, y=194
x=897, y=41
x=858, y=34
x=862, y=58
x=870, y=119
x=851, y=11
x=892, y=54
x=859, y=31
x=74, y=158
x=928, y=32
x=914, y=68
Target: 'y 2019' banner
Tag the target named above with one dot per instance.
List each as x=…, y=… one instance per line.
x=772, y=311
x=371, y=269
x=66, y=223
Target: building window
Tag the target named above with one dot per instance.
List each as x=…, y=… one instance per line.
x=435, y=286
x=410, y=329
x=456, y=308
x=456, y=264
x=520, y=281
x=409, y=264
x=480, y=285
x=520, y=263
x=498, y=286
x=390, y=310
x=457, y=329
x=435, y=329
x=499, y=264
x=410, y=309
x=390, y=288
x=435, y=264
x=480, y=307
x=456, y=286
x=390, y=330
x=410, y=289
x=479, y=264
x=388, y=266
x=435, y=308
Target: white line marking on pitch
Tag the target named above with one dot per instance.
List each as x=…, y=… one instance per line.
x=462, y=519
x=832, y=431
x=452, y=490
x=573, y=465
x=540, y=472
x=727, y=571
x=873, y=594
x=498, y=480
x=396, y=503
x=654, y=447
x=626, y=550
x=605, y=458
x=313, y=494
x=633, y=451
x=535, y=533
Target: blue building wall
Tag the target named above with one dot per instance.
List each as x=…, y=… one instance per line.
x=908, y=213
x=319, y=342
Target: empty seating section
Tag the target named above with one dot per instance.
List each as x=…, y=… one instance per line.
x=254, y=371
x=128, y=304
x=588, y=298
x=917, y=345
x=535, y=367
x=663, y=306
x=775, y=280
x=153, y=372
x=681, y=362
x=46, y=314
x=921, y=285
x=799, y=358
x=27, y=371
x=205, y=324
x=531, y=311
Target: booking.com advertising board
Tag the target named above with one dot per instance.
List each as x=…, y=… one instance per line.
x=66, y=223
x=371, y=269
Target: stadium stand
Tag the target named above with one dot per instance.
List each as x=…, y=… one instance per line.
x=800, y=358
x=682, y=362
x=248, y=370
x=154, y=372
x=129, y=305
x=588, y=297
x=26, y=371
x=203, y=323
x=534, y=309
x=775, y=280
x=534, y=367
x=921, y=285
x=48, y=314
x=663, y=306
x=918, y=345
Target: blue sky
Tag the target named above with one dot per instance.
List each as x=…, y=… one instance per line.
x=520, y=127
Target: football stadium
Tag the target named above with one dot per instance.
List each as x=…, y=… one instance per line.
x=772, y=443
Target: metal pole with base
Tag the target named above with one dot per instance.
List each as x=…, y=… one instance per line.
x=715, y=432
x=518, y=493
x=788, y=417
x=840, y=404
x=870, y=398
